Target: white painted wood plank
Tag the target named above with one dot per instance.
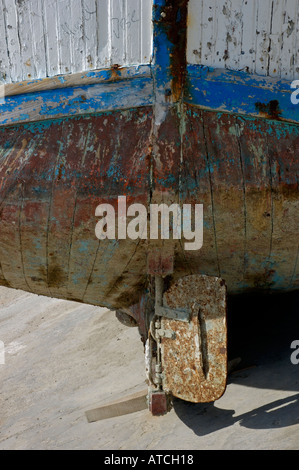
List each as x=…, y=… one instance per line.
x=64, y=35
x=146, y=31
x=288, y=39
x=13, y=41
x=4, y=59
x=51, y=36
x=208, y=35
x=256, y=36
x=25, y=34
x=234, y=35
x=248, y=53
x=263, y=28
x=104, y=28
x=77, y=36
x=194, y=33
x=118, y=21
x=38, y=38
x=133, y=32
x=90, y=29
x=296, y=59
x=223, y=33
x=276, y=39
x=46, y=38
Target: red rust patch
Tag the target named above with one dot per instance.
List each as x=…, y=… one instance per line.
x=195, y=362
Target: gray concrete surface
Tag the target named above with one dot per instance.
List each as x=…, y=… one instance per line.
x=63, y=359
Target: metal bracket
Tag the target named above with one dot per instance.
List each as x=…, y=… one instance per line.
x=173, y=314
x=180, y=314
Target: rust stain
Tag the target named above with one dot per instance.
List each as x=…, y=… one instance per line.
x=195, y=362
x=115, y=71
x=174, y=23
x=269, y=110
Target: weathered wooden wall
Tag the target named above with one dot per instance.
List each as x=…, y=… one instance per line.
x=256, y=36
x=45, y=38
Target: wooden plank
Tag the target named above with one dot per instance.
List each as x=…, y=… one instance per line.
x=77, y=37
x=103, y=29
x=133, y=31
x=65, y=35
x=42, y=38
x=276, y=40
x=11, y=252
x=208, y=35
x=130, y=404
x=62, y=207
x=255, y=159
x=194, y=32
x=76, y=79
x=226, y=30
x=128, y=170
x=222, y=31
x=91, y=33
x=296, y=52
x=227, y=186
x=51, y=33
x=255, y=36
x=248, y=52
x=13, y=42
x=4, y=59
x=234, y=35
x=197, y=188
x=26, y=37
x=288, y=39
x=77, y=101
x=239, y=92
x=263, y=28
x=146, y=36
x=38, y=38
x=13, y=158
x=118, y=25
x=283, y=153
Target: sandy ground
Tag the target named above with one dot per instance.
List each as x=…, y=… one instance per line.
x=63, y=359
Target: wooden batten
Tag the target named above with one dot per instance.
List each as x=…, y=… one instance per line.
x=112, y=74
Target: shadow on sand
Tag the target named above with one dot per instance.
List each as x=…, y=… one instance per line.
x=260, y=332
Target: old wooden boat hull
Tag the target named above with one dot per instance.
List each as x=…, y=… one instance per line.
x=175, y=130
x=212, y=121
x=54, y=174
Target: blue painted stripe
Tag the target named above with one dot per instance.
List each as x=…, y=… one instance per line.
x=90, y=99
x=238, y=92
x=162, y=49
x=215, y=89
